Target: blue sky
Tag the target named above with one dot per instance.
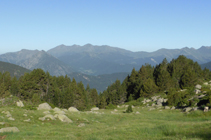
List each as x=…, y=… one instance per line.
x=136, y=25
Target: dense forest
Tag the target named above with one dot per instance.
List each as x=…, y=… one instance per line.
x=39, y=86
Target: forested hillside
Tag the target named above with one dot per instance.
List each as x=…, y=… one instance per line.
x=166, y=78
x=180, y=73
x=38, y=86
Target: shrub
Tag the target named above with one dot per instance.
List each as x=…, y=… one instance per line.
x=110, y=106
x=129, y=109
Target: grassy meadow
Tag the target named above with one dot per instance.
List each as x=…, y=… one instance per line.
x=105, y=125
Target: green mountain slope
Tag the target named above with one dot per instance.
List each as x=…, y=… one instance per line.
x=100, y=82
x=14, y=70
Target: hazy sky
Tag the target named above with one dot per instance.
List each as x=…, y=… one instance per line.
x=136, y=25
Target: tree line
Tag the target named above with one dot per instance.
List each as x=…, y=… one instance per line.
x=179, y=74
x=39, y=86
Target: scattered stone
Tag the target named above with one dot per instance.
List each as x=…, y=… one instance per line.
x=28, y=120
x=153, y=104
x=25, y=115
x=59, y=112
x=9, y=129
x=197, y=91
x=11, y=119
x=206, y=83
x=49, y=116
x=187, y=109
x=73, y=109
x=2, y=123
x=173, y=108
x=151, y=109
x=198, y=86
x=118, y=106
x=20, y=103
x=148, y=100
x=195, y=108
x=64, y=118
x=115, y=110
x=42, y=118
x=137, y=112
x=167, y=107
x=65, y=110
x=94, y=109
x=201, y=96
x=165, y=100
x=46, y=112
x=44, y=106
x=56, y=109
x=81, y=125
x=206, y=109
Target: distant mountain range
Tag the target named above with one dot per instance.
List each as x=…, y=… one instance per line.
x=95, y=60
x=37, y=59
x=96, y=65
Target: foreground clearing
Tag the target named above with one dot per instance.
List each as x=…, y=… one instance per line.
x=155, y=124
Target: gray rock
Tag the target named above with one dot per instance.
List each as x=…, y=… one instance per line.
x=167, y=107
x=206, y=83
x=46, y=112
x=2, y=123
x=49, y=116
x=28, y=120
x=198, y=86
x=137, y=112
x=9, y=129
x=11, y=119
x=81, y=125
x=197, y=91
x=187, y=109
x=94, y=109
x=20, y=103
x=56, y=109
x=148, y=100
x=165, y=100
x=73, y=109
x=173, y=108
x=195, y=108
x=206, y=109
x=44, y=106
x=64, y=118
x=153, y=104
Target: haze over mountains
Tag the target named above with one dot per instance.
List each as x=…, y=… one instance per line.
x=88, y=61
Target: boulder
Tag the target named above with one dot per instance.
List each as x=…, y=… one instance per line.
x=198, y=86
x=46, y=112
x=20, y=103
x=165, y=100
x=206, y=83
x=206, y=109
x=64, y=118
x=172, y=108
x=11, y=119
x=81, y=125
x=44, y=106
x=187, y=109
x=94, y=109
x=197, y=91
x=195, y=108
x=148, y=100
x=56, y=109
x=73, y=109
x=9, y=129
x=167, y=107
x=49, y=116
